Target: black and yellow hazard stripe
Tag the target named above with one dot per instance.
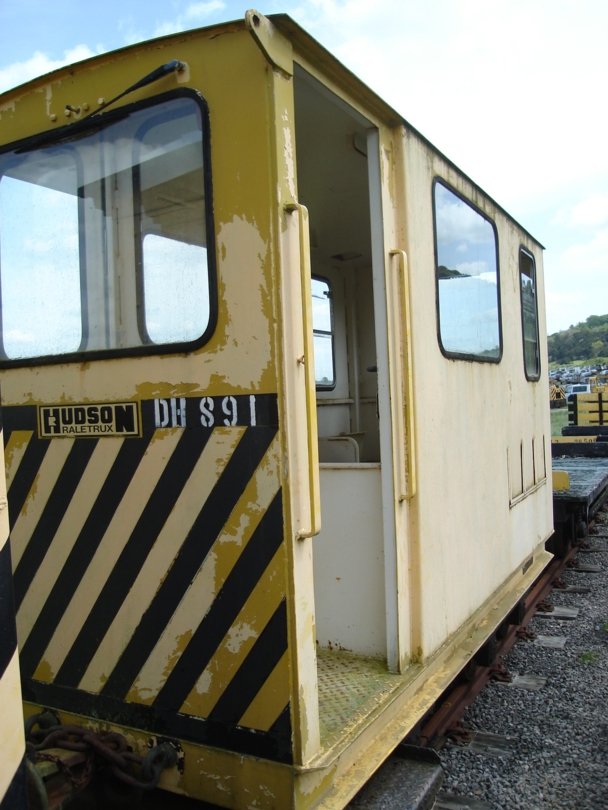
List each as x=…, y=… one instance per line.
x=12, y=748
x=150, y=573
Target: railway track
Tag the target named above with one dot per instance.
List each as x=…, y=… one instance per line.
x=541, y=740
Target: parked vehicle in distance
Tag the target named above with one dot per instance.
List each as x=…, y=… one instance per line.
x=577, y=388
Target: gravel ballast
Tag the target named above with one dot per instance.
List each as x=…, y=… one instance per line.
x=555, y=756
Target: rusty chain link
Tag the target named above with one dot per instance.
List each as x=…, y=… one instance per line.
x=109, y=748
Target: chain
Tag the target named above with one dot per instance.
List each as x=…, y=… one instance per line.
x=110, y=749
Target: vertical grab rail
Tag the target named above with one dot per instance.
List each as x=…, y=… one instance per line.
x=402, y=371
x=306, y=361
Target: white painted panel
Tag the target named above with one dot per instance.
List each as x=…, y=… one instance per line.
x=349, y=561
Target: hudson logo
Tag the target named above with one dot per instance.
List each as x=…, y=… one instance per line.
x=108, y=419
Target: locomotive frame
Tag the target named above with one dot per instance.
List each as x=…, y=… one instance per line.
x=277, y=563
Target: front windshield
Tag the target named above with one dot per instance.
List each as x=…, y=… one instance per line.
x=104, y=236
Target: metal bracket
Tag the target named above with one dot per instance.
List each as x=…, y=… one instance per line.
x=273, y=45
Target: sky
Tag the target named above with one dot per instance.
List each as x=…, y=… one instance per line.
x=512, y=91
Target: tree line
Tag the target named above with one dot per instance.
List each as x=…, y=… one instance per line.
x=587, y=340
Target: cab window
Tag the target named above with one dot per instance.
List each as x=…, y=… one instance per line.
x=106, y=235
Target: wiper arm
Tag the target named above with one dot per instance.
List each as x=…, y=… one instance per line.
x=175, y=66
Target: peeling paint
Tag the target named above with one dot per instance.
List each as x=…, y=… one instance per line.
x=289, y=154
x=181, y=642
x=9, y=107
x=238, y=635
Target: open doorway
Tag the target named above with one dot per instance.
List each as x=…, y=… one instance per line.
x=338, y=181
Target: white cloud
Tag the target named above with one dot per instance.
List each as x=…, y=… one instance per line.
x=577, y=281
x=202, y=11
x=39, y=63
x=590, y=212
x=511, y=92
x=588, y=256
x=506, y=89
x=196, y=14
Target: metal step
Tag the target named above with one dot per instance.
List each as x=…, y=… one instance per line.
x=409, y=779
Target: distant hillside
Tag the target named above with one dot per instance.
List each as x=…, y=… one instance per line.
x=585, y=341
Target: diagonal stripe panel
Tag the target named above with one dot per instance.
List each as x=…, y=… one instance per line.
x=66, y=481
x=238, y=642
x=254, y=671
x=207, y=637
x=82, y=553
x=31, y=489
x=67, y=533
x=22, y=479
x=153, y=565
x=257, y=496
x=86, y=590
x=147, y=502
x=195, y=490
x=213, y=516
x=271, y=700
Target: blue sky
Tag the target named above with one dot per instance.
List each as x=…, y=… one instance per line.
x=513, y=91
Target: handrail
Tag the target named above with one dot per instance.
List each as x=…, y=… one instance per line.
x=402, y=335
x=307, y=362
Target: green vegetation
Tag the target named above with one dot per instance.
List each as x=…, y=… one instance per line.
x=559, y=418
x=589, y=657
x=585, y=342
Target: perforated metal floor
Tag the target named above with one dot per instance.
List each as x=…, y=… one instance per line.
x=350, y=689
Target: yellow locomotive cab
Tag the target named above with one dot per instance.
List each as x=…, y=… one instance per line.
x=277, y=463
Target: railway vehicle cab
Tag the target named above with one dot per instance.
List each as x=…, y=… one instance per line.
x=276, y=445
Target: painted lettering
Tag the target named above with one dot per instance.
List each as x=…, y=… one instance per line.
x=206, y=408
x=230, y=408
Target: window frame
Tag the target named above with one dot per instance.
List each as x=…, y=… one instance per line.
x=448, y=353
x=523, y=251
x=68, y=132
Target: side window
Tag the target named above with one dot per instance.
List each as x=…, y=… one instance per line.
x=323, y=335
x=529, y=314
x=466, y=271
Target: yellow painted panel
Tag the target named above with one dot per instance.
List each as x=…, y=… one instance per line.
x=573, y=439
x=561, y=480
